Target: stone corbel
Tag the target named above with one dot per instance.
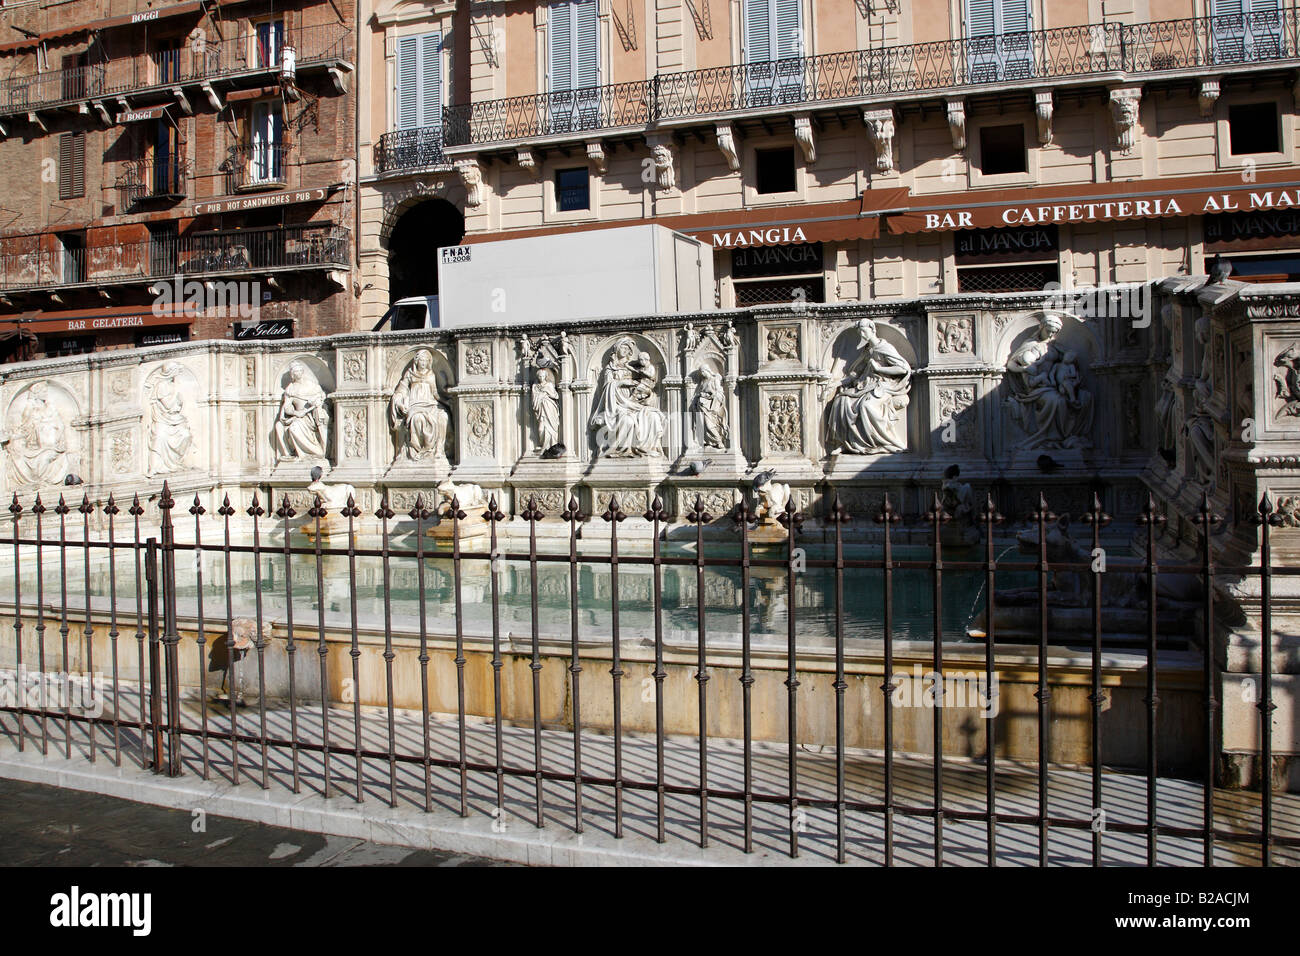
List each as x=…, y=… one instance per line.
x=1124, y=104
x=339, y=78
x=727, y=145
x=596, y=156
x=182, y=101
x=957, y=123
x=472, y=178
x=214, y=98
x=36, y=121
x=1043, y=109
x=1209, y=95
x=661, y=149
x=102, y=110
x=803, y=135
x=527, y=161
x=880, y=127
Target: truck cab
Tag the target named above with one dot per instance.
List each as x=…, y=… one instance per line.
x=413, y=312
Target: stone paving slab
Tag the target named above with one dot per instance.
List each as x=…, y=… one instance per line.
x=44, y=825
x=512, y=834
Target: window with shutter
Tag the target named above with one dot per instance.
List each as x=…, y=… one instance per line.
x=419, y=81
x=573, y=65
x=1246, y=30
x=266, y=162
x=774, y=45
x=72, y=165
x=998, y=44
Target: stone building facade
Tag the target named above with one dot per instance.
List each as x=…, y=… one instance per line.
x=174, y=171
x=839, y=152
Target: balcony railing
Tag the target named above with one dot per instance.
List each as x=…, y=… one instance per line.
x=145, y=180
x=162, y=69
x=323, y=245
x=410, y=149
x=256, y=166
x=1205, y=43
x=22, y=93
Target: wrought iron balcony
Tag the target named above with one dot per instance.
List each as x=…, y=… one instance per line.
x=148, y=180
x=1111, y=50
x=255, y=166
x=233, y=252
x=242, y=55
x=410, y=149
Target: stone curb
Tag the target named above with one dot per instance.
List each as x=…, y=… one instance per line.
x=404, y=826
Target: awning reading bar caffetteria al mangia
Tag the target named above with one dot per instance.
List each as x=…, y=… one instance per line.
x=902, y=213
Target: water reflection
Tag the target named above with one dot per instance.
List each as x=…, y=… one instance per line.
x=768, y=593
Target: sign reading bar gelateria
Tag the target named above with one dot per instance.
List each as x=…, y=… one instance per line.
x=261, y=201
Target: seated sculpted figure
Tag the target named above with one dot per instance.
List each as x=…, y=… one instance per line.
x=302, y=425
x=1048, y=400
x=419, y=418
x=864, y=416
x=624, y=417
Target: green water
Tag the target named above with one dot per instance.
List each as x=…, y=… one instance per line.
x=768, y=595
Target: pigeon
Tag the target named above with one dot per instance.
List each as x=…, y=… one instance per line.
x=696, y=467
x=555, y=451
x=72, y=480
x=1170, y=456
x=763, y=477
x=1219, y=270
x=952, y=471
x=1047, y=464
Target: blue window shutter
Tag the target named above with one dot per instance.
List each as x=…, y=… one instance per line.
x=559, y=31
x=1014, y=16
x=980, y=21
x=430, y=80
x=758, y=31
x=408, y=73
x=789, y=29
x=586, y=38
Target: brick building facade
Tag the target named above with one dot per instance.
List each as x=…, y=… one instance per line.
x=174, y=171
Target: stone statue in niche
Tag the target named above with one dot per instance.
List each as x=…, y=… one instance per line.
x=1048, y=400
x=170, y=435
x=863, y=417
x=709, y=410
x=1287, y=382
x=302, y=424
x=38, y=443
x=547, y=362
x=417, y=413
x=626, y=420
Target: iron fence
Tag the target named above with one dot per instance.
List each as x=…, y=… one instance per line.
x=1221, y=42
x=143, y=607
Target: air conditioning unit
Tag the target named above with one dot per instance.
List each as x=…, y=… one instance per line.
x=288, y=62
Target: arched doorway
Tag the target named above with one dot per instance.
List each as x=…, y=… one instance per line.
x=413, y=247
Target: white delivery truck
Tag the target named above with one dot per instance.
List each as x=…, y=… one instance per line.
x=599, y=273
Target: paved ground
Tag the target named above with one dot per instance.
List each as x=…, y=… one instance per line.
x=50, y=826
x=356, y=803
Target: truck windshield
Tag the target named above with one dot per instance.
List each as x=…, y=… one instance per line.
x=407, y=317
